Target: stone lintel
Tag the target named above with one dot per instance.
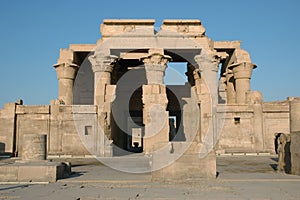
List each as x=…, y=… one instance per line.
x=82, y=47
x=181, y=22
x=227, y=45
x=129, y=21
x=133, y=55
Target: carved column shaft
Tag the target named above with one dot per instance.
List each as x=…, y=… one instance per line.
x=208, y=67
x=66, y=73
x=102, y=67
x=230, y=90
x=242, y=73
x=155, y=116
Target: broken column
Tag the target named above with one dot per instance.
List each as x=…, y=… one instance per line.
x=102, y=66
x=34, y=147
x=66, y=72
x=295, y=134
x=230, y=91
x=242, y=74
x=155, y=116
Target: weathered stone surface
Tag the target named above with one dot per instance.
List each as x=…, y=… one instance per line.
x=295, y=134
x=284, y=153
x=115, y=27
x=7, y=128
x=34, y=147
x=22, y=171
x=121, y=111
x=295, y=153
x=191, y=28
x=188, y=165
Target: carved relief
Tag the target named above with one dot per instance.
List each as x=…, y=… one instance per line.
x=183, y=28
x=129, y=28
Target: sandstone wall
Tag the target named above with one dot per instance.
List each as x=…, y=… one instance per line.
x=30, y=120
x=7, y=128
x=247, y=128
x=70, y=127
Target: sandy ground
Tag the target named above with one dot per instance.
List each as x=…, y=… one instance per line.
x=243, y=177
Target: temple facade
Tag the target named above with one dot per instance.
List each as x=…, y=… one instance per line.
x=113, y=101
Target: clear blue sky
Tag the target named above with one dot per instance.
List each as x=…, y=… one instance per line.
x=32, y=32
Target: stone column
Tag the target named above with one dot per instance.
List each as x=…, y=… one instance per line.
x=208, y=66
x=295, y=134
x=102, y=66
x=222, y=90
x=230, y=91
x=242, y=74
x=66, y=73
x=155, y=116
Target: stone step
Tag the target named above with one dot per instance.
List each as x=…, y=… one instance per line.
x=130, y=164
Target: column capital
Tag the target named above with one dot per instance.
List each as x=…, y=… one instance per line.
x=66, y=70
x=242, y=70
x=157, y=61
x=207, y=61
x=102, y=63
x=155, y=66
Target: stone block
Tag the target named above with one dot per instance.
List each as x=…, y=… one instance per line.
x=34, y=147
x=23, y=171
x=295, y=153
x=295, y=115
x=188, y=165
x=113, y=27
x=20, y=109
x=187, y=27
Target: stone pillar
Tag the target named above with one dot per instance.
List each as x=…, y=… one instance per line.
x=102, y=66
x=295, y=134
x=155, y=116
x=208, y=66
x=222, y=90
x=66, y=73
x=230, y=91
x=242, y=74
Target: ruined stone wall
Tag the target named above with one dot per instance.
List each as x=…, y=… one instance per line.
x=7, y=128
x=237, y=133
x=30, y=120
x=242, y=130
x=70, y=127
x=275, y=120
x=69, y=130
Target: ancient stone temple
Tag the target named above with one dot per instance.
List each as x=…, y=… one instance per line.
x=113, y=102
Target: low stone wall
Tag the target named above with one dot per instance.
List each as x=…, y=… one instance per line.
x=188, y=165
x=42, y=171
